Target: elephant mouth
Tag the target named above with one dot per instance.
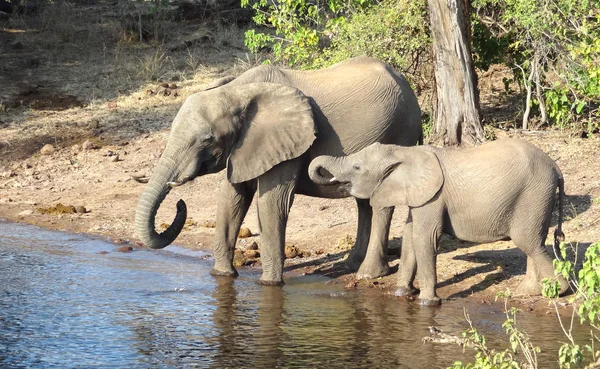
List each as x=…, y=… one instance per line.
x=208, y=167
x=327, y=178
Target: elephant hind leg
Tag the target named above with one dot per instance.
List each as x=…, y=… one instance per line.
x=528, y=231
x=363, y=233
x=539, y=266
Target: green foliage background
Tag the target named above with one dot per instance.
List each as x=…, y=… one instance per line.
x=552, y=46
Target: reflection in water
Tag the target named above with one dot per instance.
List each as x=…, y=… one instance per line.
x=63, y=305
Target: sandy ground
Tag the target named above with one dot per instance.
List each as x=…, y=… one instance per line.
x=104, y=130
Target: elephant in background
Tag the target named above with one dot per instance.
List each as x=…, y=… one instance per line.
x=265, y=127
x=500, y=190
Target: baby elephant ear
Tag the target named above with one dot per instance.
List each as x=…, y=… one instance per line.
x=277, y=126
x=413, y=179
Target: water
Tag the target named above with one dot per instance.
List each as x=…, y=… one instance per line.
x=63, y=304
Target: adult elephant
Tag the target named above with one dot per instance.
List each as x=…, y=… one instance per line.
x=265, y=127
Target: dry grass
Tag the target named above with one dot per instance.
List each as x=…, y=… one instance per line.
x=83, y=64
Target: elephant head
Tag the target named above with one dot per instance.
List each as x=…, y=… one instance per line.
x=246, y=128
x=388, y=175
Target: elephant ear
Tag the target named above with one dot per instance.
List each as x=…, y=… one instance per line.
x=278, y=125
x=414, y=178
x=219, y=82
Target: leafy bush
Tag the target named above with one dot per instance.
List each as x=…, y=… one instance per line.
x=308, y=36
x=586, y=307
x=394, y=31
x=553, y=47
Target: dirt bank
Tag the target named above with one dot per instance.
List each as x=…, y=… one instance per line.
x=104, y=130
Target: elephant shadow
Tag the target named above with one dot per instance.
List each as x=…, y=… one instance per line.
x=503, y=265
x=499, y=263
x=333, y=265
x=573, y=206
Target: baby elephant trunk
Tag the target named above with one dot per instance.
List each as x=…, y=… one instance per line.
x=321, y=170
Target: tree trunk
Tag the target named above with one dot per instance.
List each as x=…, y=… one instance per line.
x=456, y=112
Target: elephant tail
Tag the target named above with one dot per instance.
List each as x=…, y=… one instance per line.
x=559, y=236
x=421, y=138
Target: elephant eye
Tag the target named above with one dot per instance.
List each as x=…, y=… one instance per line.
x=208, y=139
x=356, y=167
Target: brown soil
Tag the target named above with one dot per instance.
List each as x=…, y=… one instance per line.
x=100, y=100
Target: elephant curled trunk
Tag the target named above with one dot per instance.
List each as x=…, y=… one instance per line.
x=155, y=192
x=319, y=174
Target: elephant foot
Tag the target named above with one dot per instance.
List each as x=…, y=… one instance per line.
x=266, y=282
x=532, y=287
x=372, y=270
x=224, y=273
x=436, y=301
x=406, y=292
x=529, y=287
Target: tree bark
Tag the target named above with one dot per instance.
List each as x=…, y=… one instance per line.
x=456, y=113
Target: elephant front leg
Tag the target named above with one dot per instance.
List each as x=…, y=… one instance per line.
x=408, y=262
x=363, y=233
x=234, y=201
x=427, y=226
x=376, y=261
x=275, y=198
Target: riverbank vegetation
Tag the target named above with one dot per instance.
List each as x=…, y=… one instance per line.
x=585, y=301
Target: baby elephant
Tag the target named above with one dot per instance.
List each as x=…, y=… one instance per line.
x=500, y=190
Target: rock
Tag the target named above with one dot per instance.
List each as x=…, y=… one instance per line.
x=25, y=213
x=245, y=233
x=291, y=251
x=89, y=145
x=345, y=243
x=239, y=259
x=75, y=148
x=125, y=249
x=173, y=86
x=119, y=241
x=94, y=123
x=103, y=252
x=7, y=174
x=320, y=251
x=48, y=149
x=80, y=209
x=17, y=45
x=58, y=209
x=252, y=246
x=25, y=165
x=323, y=207
x=114, y=158
x=351, y=285
x=209, y=224
x=252, y=254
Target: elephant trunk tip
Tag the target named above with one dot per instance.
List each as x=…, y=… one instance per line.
x=319, y=174
x=155, y=240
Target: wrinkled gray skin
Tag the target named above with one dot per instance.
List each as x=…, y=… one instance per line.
x=500, y=190
x=265, y=127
